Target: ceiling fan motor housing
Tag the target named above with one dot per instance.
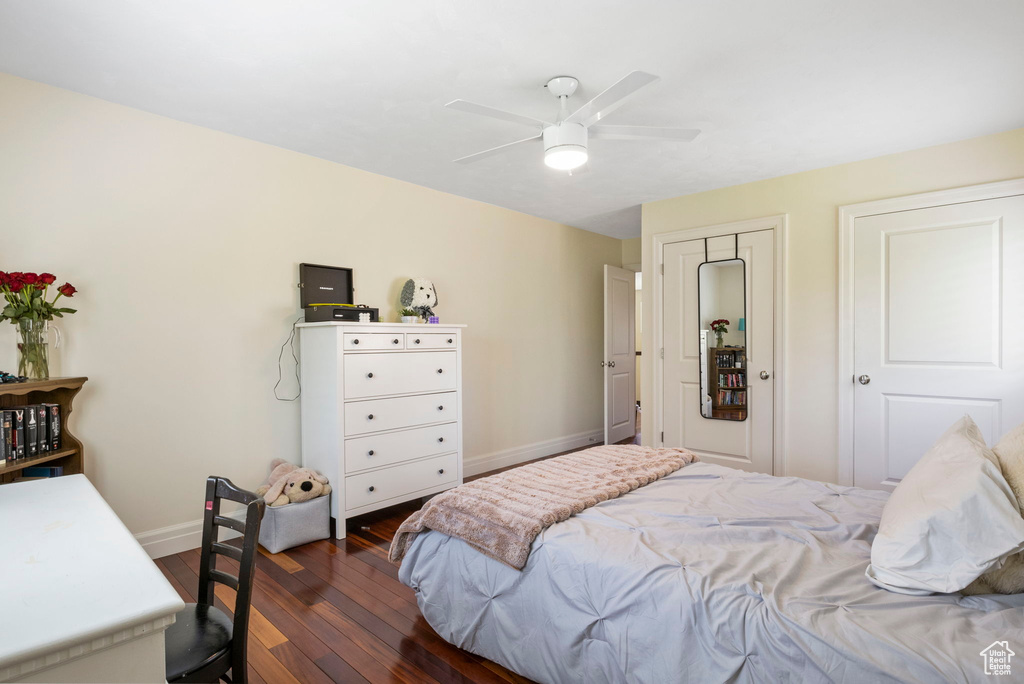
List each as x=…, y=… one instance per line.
x=565, y=146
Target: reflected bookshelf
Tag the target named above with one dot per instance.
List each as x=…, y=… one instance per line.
x=727, y=375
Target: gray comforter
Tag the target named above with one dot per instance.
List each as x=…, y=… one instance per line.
x=708, y=575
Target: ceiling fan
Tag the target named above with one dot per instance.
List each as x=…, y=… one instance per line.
x=565, y=139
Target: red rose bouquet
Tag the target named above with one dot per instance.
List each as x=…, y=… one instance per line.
x=718, y=327
x=26, y=305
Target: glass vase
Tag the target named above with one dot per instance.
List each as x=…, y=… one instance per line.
x=33, y=351
x=719, y=342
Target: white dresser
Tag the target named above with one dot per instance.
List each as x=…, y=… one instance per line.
x=381, y=411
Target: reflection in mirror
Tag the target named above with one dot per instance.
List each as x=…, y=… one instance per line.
x=723, y=339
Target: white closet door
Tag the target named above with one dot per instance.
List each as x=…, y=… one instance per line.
x=748, y=444
x=939, y=330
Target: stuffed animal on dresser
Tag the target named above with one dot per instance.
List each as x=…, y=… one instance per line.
x=288, y=483
x=420, y=295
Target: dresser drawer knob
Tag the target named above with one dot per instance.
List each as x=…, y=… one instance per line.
x=370, y=452
x=441, y=471
x=440, y=370
x=369, y=417
x=355, y=341
x=371, y=488
x=449, y=340
x=394, y=341
x=440, y=408
x=440, y=439
x=369, y=375
x=417, y=340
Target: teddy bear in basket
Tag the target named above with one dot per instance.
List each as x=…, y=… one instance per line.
x=288, y=483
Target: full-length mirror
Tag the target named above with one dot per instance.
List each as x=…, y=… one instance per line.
x=723, y=339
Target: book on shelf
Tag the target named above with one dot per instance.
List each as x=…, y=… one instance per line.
x=18, y=432
x=53, y=426
x=42, y=471
x=5, y=437
x=42, y=443
x=31, y=431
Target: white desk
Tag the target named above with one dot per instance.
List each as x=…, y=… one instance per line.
x=80, y=601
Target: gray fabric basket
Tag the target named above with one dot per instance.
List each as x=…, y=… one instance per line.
x=295, y=524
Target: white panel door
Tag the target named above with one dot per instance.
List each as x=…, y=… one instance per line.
x=938, y=330
x=748, y=444
x=619, y=362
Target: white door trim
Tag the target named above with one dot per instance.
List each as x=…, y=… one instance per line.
x=780, y=225
x=847, y=216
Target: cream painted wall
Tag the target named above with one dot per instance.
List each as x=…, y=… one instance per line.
x=631, y=252
x=811, y=200
x=185, y=244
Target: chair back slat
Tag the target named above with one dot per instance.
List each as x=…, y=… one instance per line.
x=236, y=525
x=217, y=489
x=224, y=578
x=227, y=550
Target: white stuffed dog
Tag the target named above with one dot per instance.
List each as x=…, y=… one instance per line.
x=288, y=483
x=420, y=295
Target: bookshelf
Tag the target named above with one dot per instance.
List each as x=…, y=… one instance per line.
x=727, y=375
x=53, y=391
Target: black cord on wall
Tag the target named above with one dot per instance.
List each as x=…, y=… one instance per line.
x=290, y=342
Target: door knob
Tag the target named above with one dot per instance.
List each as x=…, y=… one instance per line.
x=864, y=379
x=765, y=375
x=603, y=364
x=611, y=364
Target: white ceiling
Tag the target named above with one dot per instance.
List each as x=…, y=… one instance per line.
x=779, y=86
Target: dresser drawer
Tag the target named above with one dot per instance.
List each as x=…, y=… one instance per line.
x=389, y=414
x=431, y=341
x=390, y=483
x=387, y=448
x=374, y=375
x=371, y=341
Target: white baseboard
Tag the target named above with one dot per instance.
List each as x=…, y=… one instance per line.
x=528, y=452
x=173, y=539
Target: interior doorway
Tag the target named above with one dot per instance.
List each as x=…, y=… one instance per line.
x=619, y=363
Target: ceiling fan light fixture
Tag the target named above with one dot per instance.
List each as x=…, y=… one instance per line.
x=566, y=157
x=565, y=146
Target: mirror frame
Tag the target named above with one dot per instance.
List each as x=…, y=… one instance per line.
x=746, y=413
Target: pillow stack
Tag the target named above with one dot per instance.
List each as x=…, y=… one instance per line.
x=955, y=518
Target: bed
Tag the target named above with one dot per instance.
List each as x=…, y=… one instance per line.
x=707, y=575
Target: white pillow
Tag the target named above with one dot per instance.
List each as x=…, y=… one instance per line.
x=952, y=518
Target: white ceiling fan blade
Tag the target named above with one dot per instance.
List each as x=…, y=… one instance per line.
x=611, y=99
x=484, y=110
x=469, y=159
x=642, y=132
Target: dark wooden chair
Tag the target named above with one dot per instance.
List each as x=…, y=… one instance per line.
x=204, y=643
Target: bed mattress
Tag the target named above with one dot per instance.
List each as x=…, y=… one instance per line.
x=708, y=575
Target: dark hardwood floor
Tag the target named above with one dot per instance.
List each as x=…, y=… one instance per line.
x=334, y=611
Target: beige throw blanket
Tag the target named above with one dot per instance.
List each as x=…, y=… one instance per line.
x=502, y=514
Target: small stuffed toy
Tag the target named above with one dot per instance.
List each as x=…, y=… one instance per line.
x=288, y=483
x=420, y=295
